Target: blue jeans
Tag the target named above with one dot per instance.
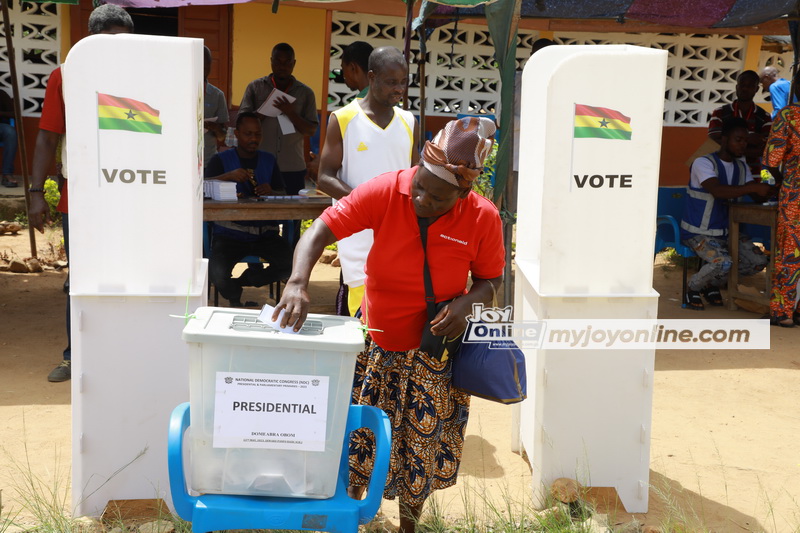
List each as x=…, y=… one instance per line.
x=8, y=136
x=68, y=349
x=717, y=261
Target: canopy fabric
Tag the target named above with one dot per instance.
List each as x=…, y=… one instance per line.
x=705, y=14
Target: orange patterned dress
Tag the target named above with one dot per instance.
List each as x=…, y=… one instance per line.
x=428, y=416
x=783, y=151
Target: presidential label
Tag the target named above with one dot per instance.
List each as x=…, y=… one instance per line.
x=270, y=411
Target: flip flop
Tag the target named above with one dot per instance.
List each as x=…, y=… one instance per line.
x=9, y=182
x=713, y=296
x=693, y=301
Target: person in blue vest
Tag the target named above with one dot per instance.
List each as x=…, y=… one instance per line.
x=717, y=178
x=256, y=173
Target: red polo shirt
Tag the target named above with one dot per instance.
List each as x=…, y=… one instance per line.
x=54, y=118
x=468, y=238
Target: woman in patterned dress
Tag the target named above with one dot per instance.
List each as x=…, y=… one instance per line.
x=427, y=414
x=782, y=157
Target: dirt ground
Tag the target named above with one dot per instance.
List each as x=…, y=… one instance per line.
x=724, y=449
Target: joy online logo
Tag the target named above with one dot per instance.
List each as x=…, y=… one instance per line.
x=494, y=325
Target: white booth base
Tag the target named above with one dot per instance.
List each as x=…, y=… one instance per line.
x=130, y=369
x=588, y=412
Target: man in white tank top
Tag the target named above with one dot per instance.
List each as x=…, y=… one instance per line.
x=367, y=138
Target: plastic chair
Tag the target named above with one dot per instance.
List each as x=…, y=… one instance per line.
x=668, y=233
x=274, y=287
x=209, y=512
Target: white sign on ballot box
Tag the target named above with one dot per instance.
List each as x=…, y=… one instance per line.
x=270, y=411
x=591, y=123
x=134, y=108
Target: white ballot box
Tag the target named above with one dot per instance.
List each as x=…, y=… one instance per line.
x=268, y=409
x=591, y=123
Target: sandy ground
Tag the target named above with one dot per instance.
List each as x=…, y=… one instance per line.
x=724, y=450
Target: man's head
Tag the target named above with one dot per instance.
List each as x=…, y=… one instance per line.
x=282, y=61
x=538, y=44
x=746, y=86
x=768, y=76
x=734, y=136
x=110, y=19
x=388, y=76
x=450, y=163
x=206, y=62
x=355, y=65
x=248, y=133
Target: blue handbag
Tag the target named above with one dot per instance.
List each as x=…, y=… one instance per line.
x=492, y=370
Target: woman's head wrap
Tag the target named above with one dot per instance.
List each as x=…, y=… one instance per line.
x=458, y=151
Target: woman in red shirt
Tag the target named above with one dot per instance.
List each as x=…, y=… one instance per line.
x=464, y=240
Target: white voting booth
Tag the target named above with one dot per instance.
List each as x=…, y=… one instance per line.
x=585, y=239
x=134, y=161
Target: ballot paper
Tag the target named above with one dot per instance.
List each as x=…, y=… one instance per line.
x=286, y=125
x=268, y=107
x=266, y=317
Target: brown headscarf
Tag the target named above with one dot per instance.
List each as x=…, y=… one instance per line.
x=458, y=151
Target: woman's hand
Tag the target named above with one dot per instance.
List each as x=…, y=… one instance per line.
x=451, y=321
x=296, y=302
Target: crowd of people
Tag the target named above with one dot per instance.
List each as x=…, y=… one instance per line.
x=757, y=159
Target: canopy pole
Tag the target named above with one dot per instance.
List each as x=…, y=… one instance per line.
x=423, y=52
x=407, y=44
x=20, y=127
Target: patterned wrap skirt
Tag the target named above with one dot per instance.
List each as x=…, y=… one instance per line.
x=428, y=418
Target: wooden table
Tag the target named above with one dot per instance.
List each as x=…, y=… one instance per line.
x=267, y=209
x=762, y=215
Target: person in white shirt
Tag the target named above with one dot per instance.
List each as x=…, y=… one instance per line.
x=367, y=138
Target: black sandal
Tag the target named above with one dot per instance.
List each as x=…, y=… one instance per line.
x=713, y=296
x=9, y=182
x=693, y=301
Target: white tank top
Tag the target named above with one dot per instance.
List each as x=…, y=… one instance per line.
x=369, y=151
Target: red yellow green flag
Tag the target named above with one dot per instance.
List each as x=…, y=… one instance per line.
x=601, y=123
x=115, y=113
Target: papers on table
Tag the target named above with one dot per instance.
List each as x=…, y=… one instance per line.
x=312, y=193
x=224, y=191
x=268, y=109
x=281, y=197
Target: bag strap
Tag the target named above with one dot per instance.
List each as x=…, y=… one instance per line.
x=430, y=298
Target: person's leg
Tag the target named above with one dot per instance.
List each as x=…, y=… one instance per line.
x=714, y=272
x=409, y=516
x=63, y=371
x=225, y=253
x=8, y=136
x=784, y=280
x=276, y=251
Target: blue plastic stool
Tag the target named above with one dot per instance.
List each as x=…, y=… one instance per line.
x=210, y=512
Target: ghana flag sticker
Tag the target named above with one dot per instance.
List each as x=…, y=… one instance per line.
x=116, y=113
x=601, y=123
